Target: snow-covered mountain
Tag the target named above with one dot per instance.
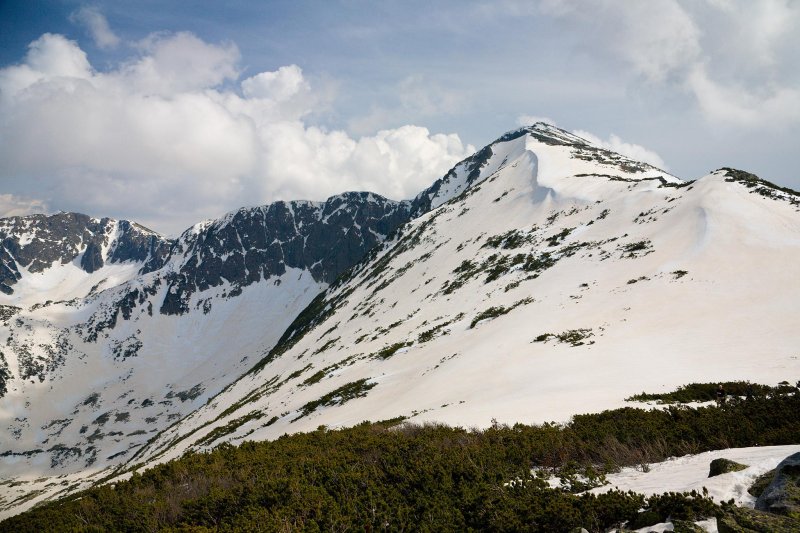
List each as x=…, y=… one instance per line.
x=112, y=332
x=541, y=277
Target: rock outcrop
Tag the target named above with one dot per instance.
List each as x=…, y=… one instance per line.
x=723, y=466
x=782, y=496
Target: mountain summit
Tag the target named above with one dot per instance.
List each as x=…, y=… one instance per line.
x=539, y=278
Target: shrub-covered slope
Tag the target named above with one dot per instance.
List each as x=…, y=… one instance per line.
x=431, y=477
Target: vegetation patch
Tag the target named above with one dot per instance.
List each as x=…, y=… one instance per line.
x=494, y=312
x=229, y=428
x=637, y=249
x=435, y=331
x=191, y=394
x=92, y=400
x=389, y=351
x=325, y=346
x=384, y=330
x=295, y=374
x=510, y=240
x=574, y=337
x=499, y=264
x=317, y=376
x=706, y=392
x=345, y=393
x=559, y=237
x=397, y=478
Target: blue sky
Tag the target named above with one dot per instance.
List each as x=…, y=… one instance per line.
x=171, y=112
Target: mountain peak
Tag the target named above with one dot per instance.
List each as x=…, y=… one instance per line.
x=546, y=133
x=36, y=243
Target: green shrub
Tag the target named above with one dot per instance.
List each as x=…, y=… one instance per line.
x=706, y=392
x=414, y=477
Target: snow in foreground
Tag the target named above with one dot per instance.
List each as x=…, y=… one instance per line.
x=690, y=472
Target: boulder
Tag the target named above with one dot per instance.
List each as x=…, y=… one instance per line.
x=782, y=495
x=723, y=466
x=761, y=483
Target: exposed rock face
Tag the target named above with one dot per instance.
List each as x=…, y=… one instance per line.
x=782, y=496
x=92, y=258
x=35, y=242
x=255, y=244
x=5, y=375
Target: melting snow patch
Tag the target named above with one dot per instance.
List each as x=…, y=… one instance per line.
x=690, y=472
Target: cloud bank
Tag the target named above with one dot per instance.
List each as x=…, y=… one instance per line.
x=727, y=55
x=173, y=135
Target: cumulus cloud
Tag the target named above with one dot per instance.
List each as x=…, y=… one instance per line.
x=97, y=26
x=634, y=151
x=173, y=135
x=730, y=56
x=738, y=105
x=656, y=38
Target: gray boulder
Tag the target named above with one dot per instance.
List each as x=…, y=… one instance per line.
x=782, y=496
x=723, y=466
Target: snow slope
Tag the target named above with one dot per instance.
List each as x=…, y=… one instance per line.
x=690, y=472
x=649, y=282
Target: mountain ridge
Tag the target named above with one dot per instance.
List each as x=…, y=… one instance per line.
x=530, y=250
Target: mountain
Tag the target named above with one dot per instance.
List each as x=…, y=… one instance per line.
x=114, y=332
x=539, y=278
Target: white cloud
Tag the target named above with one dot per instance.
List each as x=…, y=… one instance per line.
x=737, y=105
x=163, y=138
x=97, y=25
x=14, y=206
x=656, y=37
x=762, y=26
x=733, y=57
x=176, y=63
x=636, y=152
